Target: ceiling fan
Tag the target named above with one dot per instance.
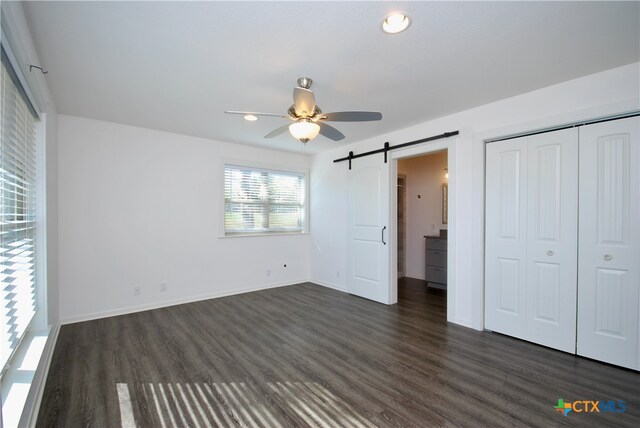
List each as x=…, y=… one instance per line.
x=307, y=117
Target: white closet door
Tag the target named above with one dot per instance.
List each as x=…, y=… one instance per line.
x=531, y=238
x=506, y=237
x=552, y=241
x=609, y=250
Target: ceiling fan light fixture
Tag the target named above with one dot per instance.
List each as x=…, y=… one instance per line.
x=250, y=117
x=395, y=23
x=304, y=130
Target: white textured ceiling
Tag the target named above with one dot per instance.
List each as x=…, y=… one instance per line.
x=177, y=66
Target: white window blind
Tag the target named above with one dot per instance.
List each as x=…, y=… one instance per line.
x=17, y=214
x=263, y=201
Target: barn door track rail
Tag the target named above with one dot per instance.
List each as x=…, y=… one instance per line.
x=387, y=148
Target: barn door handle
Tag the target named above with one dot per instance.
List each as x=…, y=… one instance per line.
x=382, y=234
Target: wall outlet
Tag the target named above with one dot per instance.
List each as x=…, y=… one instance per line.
x=163, y=287
x=268, y=272
x=136, y=291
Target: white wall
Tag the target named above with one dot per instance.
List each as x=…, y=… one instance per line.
x=138, y=208
x=608, y=92
x=425, y=175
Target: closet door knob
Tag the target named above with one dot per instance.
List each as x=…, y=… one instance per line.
x=549, y=253
x=607, y=257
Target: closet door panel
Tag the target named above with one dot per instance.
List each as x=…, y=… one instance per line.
x=552, y=229
x=531, y=238
x=609, y=249
x=505, y=258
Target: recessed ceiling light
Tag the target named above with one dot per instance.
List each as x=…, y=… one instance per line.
x=250, y=117
x=395, y=23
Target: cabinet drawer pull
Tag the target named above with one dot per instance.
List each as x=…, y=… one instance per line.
x=607, y=257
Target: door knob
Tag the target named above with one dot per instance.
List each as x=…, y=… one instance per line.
x=607, y=257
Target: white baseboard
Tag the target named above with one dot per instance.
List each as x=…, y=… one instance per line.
x=329, y=285
x=465, y=323
x=167, y=303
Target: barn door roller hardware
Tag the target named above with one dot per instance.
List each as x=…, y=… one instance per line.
x=388, y=148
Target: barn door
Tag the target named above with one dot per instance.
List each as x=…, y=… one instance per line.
x=369, y=229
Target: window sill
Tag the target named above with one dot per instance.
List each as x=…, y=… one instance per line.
x=253, y=235
x=18, y=380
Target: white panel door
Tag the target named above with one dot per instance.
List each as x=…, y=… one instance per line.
x=531, y=238
x=368, y=229
x=609, y=248
x=505, y=236
x=552, y=241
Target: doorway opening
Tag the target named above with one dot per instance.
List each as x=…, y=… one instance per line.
x=402, y=225
x=422, y=226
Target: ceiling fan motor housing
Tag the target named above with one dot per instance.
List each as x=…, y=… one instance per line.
x=315, y=116
x=305, y=82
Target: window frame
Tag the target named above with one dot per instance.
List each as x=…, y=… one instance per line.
x=39, y=315
x=266, y=167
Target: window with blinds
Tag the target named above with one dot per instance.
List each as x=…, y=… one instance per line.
x=263, y=201
x=17, y=213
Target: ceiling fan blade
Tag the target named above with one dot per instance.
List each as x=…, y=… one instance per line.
x=255, y=113
x=304, y=102
x=352, y=116
x=330, y=132
x=277, y=131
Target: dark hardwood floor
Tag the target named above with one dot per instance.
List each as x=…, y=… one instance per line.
x=305, y=355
